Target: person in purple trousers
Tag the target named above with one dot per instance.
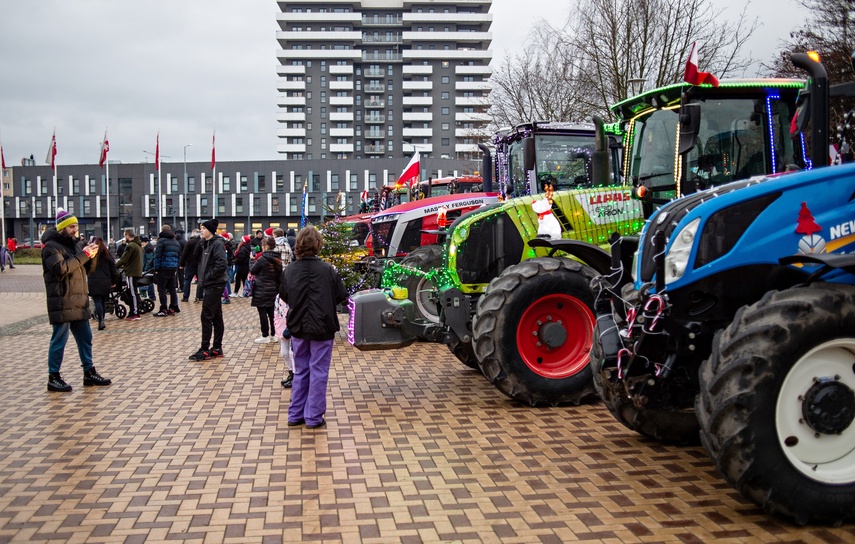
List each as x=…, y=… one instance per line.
x=312, y=289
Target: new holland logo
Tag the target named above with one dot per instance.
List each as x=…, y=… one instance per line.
x=811, y=243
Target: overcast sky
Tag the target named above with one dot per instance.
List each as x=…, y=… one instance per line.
x=187, y=67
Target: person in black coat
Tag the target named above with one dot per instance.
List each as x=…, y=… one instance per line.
x=67, y=292
x=103, y=277
x=167, y=256
x=267, y=270
x=312, y=289
x=242, y=257
x=212, y=281
x=292, y=238
x=189, y=263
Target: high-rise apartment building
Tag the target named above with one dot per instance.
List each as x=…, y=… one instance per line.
x=383, y=78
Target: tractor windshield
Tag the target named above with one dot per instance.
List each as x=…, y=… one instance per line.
x=562, y=159
x=738, y=138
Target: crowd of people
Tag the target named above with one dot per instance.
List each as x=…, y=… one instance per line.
x=294, y=291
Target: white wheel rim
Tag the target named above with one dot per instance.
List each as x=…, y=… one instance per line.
x=825, y=458
x=425, y=305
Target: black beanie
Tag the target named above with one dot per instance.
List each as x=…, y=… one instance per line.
x=211, y=225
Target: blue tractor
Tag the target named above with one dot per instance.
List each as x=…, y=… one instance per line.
x=735, y=323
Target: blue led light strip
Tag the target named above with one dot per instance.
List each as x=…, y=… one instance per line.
x=769, y=99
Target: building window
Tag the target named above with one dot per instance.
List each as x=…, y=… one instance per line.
x=354, y=182
x=444, y=95
x=70, y=206
x=445, y=142
x=256, y=205
x=91, y=186
x=262, y=183
x=75, y=186
x=39, y=210
x=312, y=205
x=191, y=184
x=221, y=205
x=280, y=183
x=227, y=184
x=238, y=207
x=372, y=181
x=204, y=206
x=316, y=183
x=243, y=184
x=174, y=187
x=445, y=111
x=445, y=126
x=334, y=182
x=275, y=204
x=445, y=79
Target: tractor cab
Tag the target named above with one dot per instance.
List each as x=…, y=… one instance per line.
x=681, y=138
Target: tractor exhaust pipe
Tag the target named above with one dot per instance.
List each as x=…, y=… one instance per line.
x=486, y=169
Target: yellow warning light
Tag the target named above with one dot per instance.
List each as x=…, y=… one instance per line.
x=814, y=56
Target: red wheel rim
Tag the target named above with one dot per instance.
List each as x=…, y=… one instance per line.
x=554, y=336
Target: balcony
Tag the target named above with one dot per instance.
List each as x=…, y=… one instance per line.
x=462, y=18
x=416, y=116
x=418, y=101
x=417, y=85
x=291, y=148
x=381, y=57
x=472, y=101
x=417, y=132
x=374, y=89
x=317, y=17
x=371, y=149
x=372, y=104
x=341, y=85
x=282, y=100
x=284, y=37
x=466, y=148
x=416, y=55
x=341, y=132
x=456, y=37
x=290, y=69
x=375, y=134
x=338, y=69
x=341, y=116
x=473, y=70
x=291, y=132
x=472, y=86
x=418, y=70
x=464, y=117
x=382, y=20
x=285, y=56
x=379, y=40
x=375, y=119
x=374, y=73
x=341, y=148
x=285, y=86
x=341, y=101
x=290, y=116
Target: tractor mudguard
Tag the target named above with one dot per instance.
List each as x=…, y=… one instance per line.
x=594, y=256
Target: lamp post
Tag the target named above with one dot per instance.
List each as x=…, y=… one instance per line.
x=184, y=195
x=159, y=198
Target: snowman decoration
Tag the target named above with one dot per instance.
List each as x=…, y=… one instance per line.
x=548, y=226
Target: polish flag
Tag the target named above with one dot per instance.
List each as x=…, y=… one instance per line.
x=693, y=75
x=157, y=153
x=105, y=147
x=411, y=172
x=214, y=151
x=51, y=154
x=2, y=158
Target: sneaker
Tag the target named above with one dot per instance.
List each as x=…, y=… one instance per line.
x=56, y=383
x=173, y=311
x=197, y=300
x=216, y=353
x=201, y=355
x=288, y=381
x=91, y=377
x=262, y=340
x=323, y=423
x=133, y=318
x=161, y=313
x=185, y=300
x=226, y=301
x=296, y=423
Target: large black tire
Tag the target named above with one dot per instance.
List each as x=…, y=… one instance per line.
x=776, y=403
x=465, y=353
x=673, y=427
x=420, y=289
x=532, y=304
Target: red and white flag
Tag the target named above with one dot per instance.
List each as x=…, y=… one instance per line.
x=411, y=173
x=157, y=153
x=214, y=151
x=2, y=158
x=693, y=75
x=105, y=147
x=51, y=154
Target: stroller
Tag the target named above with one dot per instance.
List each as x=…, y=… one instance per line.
x=119, y=300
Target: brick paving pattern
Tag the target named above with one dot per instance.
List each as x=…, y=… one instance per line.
x=418, y=448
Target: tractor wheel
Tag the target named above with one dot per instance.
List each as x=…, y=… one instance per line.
x=533, y=330
x=673, y=427
x=777, y=403
x=121, y=311
x=420, y=290
x=465, y=353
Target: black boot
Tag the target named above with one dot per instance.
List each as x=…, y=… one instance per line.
x=56, y=383
x=91, y=377
x=288, y=381
x=101, y=325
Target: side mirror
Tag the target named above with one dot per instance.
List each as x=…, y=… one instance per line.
x=690, y=125
x=528, y=153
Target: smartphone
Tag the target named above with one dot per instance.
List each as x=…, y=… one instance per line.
x=91, y=239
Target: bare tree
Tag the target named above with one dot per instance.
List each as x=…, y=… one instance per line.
x=605, y=44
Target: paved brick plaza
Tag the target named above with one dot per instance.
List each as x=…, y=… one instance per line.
x=417, y=449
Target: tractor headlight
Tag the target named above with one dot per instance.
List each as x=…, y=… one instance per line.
x=678, y=255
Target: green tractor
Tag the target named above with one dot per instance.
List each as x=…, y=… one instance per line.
x=493, y=275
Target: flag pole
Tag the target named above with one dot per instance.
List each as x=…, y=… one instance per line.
x=108, y=202
x=215, y=204
x=2, y=196
x=159, y=199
